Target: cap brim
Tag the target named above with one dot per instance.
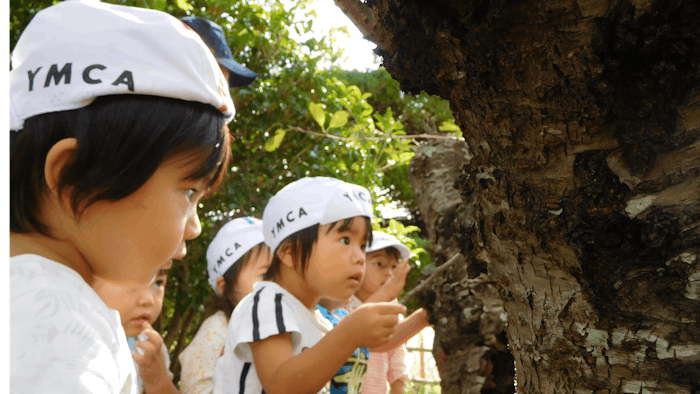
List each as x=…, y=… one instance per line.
x=240, y=76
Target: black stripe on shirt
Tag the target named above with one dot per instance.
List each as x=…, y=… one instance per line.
x=244, y=374
x=278, y=313
x=256, y=322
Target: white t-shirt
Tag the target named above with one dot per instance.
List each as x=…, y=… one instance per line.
x=198, y=360
x=269, y=310
x=63, y=338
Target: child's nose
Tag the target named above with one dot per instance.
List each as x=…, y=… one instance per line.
x=194, y=227
x=359, y=256
x=146, y=298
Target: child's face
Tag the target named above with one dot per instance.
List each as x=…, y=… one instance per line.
x=337, y=262
x=129, y=239
x=251, y=273
x=380, y=268
x=136, y=305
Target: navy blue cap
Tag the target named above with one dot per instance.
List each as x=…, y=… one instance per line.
x=213, y=35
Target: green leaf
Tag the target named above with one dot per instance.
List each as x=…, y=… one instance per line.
x=183, y=5
x=273, y=143
x=318, y=113
x=356, y=129
x=449, y=127
x=339, y=119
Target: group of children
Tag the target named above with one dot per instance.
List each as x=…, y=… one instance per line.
x=118, y=129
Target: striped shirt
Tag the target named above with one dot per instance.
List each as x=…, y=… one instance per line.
x=269, y=310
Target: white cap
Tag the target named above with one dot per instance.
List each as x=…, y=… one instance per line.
x=309, y=201
x=78, y=50
x=233, y=241
x=382, y=240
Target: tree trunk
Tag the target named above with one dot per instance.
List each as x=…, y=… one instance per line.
x=583, y=192
x=470, y=346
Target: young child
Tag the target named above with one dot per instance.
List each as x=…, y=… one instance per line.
x=117, y=119
x=213, y=35
x=138, y=308
x=318, y=229
x=387, y=364
x=237, y=258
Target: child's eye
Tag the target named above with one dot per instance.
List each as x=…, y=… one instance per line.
x=190, y=193
x=345, y=240
x=160, y=283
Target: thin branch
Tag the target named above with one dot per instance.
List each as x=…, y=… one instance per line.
x=352, y=139
x=431, y=278
x=365, y=20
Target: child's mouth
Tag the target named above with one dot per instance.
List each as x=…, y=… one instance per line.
x=355, y=279
x=140, y=321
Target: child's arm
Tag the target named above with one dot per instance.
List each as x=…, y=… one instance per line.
x=282, y=372
x=152, y=364
x=398, y=373
x=398, y=387
x=405, y=330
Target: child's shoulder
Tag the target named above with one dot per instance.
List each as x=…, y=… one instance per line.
x=45, y=294
x=58, y=323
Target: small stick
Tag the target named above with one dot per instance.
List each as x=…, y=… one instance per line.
x=429, y=279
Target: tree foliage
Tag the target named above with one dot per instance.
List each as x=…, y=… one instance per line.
x=295, y=120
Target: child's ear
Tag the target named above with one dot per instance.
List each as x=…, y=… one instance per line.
x=221, y=284
x=60, y=156
x=286, y=255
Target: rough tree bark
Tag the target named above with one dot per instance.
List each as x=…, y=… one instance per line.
x=583, y=119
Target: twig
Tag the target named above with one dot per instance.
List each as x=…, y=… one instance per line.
x=365, y=20
x=431, y=278
x=398, y=137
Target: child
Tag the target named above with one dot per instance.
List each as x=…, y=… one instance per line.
x=138, y=309
x=386, y=364
x=117, y=119
x=237, y=258
x=318, y=229
x=215, y=38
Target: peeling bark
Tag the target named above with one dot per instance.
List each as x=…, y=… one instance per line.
x=463, y=304
x=581, y=196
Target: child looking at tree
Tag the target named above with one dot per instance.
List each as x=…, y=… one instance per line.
x=318, y=229
x=387, y=367
x=237, y=258
x=117, y=119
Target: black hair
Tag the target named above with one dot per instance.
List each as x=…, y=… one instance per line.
x=122, y=140
x=391, y=251
x=302, y=241
x=231, y=275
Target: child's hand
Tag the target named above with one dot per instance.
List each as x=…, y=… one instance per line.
x=391, y=289
x=371, y=325
x=152, y=362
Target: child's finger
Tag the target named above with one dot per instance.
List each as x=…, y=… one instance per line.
x=153, y=336
x=390, y=308
x=148, y=348
x=404, y=268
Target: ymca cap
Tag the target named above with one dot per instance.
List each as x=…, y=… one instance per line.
x=231, y=243
x=382, y=240
x=78, y=50
x=309, y=201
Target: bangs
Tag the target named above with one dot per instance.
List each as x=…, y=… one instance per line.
x=213, y=158
x=345, y=224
